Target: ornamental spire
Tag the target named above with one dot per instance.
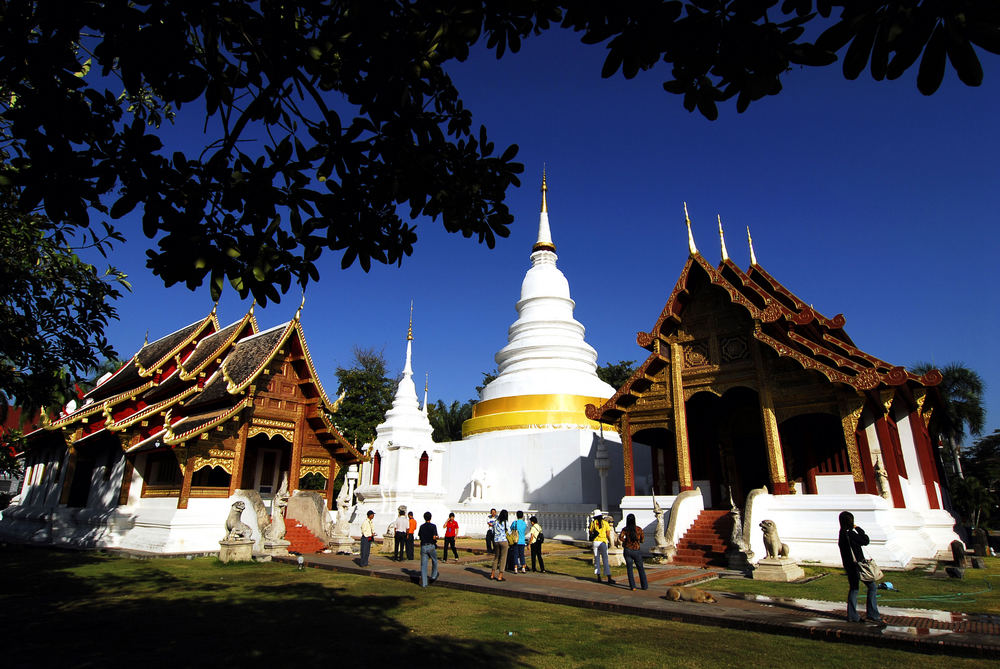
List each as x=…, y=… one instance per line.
x=544, y=242
x=753, y=257
x=407, y=369
x=722, y=239
x=691, y=247
x=427, y=378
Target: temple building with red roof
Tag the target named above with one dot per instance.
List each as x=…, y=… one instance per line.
x=152, y=458
x=768, y=408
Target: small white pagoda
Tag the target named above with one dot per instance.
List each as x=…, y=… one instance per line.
x=406, y=466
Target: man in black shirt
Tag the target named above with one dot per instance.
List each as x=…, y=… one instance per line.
x=428, y=534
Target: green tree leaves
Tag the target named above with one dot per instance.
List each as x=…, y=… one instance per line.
x=368, y=396
x=54, y=308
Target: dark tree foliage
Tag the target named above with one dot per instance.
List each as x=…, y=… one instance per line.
x=328, y=123
x=330, y=127
x=368, y=396
x=983, y=459
x=54, y=309
x=615, y=374
x=447, y=419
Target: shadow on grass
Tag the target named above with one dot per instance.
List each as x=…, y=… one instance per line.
x=129, y=614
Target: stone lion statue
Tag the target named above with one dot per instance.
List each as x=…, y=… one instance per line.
x=773, y=545
x=235, y=527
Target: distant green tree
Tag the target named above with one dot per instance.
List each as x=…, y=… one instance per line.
x=615, y=374
x=983, y=460
x=487, y=379
x=962, y=392
x=447, y=419
x=368, y=396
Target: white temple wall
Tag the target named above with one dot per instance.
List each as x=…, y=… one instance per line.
x=809, y=524
x=540, y=467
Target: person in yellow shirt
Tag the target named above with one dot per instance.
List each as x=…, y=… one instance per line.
x=600, y=533
x=367, y=537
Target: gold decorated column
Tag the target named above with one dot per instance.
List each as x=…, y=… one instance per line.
x=684, y=478
x=775, y=457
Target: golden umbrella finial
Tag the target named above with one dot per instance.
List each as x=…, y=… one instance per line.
x=409, y=330
x=545, y=189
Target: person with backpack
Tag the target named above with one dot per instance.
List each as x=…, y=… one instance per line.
x=535, y=539
x=500, y=545
x=630, y=539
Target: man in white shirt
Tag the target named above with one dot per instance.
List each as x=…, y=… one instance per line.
x=402, y=525
x=367, y=537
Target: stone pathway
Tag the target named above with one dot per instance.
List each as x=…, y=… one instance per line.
x=908, y=629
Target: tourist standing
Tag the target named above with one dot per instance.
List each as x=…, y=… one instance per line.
x=600, y=534
x=535, y=539
x=521, y=528
x=409, y=534
x=428, y=534
x=402, y=524
x=850, y=541
x=489, y=530
x=500, y=545
x=630, y=540
x=450, y=532
x=367, y=537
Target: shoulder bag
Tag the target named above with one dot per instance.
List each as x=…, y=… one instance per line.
x=868, y=569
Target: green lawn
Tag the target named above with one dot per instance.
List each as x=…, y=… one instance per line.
x=91, y=610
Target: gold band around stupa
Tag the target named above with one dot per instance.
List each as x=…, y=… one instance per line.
x=531, y=411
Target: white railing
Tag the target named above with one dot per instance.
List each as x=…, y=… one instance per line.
x=564, y=525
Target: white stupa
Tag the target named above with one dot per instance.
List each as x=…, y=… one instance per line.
x=547, y=371
x=529, y=444
x=406, y=466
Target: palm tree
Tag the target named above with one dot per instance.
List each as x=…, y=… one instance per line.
x=961, y=390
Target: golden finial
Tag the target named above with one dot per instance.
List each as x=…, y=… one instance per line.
x=722, y=238
x=146, y=340
x=427, y=380
x=545, y=189
x=691, y=247
x=409, y=330
x=298, y=312
x=753, y=256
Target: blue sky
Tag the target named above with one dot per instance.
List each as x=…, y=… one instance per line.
x=864, y=198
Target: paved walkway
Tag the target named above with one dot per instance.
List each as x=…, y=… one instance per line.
x=908, y=629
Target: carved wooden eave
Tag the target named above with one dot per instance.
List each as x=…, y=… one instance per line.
x=198, y=425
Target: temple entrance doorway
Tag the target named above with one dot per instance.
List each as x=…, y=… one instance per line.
x=663, y=459
x=267, y=463
x=727, y=445
x=813, y=445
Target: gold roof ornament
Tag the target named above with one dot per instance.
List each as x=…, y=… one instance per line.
x=687, y=219
x=753, y=256
x=298, y=312
x=722, y=239
x=409, y=330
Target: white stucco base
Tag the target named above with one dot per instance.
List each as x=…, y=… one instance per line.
x=809, y=525
x=152, y=525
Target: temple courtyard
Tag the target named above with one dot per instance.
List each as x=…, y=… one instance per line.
x=84, y=608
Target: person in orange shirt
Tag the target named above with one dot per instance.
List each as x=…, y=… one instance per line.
x=409, y=536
